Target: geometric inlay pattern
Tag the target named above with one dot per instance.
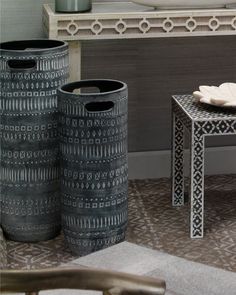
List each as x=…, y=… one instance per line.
x=178, y=161
x=200, y=120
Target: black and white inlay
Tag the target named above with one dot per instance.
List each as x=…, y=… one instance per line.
x=200, y=120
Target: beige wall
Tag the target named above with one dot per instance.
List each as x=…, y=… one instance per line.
x=153, y=69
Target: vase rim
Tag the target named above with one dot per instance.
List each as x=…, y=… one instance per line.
x=33, y=45
x=70, y=87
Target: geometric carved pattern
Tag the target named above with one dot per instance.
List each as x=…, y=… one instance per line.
x=109, y=21
x=205, y=120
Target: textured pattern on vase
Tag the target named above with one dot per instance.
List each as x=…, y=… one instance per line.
x=29, y=172
x=94, y=171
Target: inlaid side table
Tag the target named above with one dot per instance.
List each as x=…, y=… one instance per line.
x=201, y=121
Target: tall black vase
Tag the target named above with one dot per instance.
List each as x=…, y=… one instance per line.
x=94, y=170
x=30, y=73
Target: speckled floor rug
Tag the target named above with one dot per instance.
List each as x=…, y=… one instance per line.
x=154, y=223
x=182, y=277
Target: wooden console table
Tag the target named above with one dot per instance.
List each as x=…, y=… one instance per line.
x=125, y=20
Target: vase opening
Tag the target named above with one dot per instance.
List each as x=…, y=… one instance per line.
x=102, y=85
x=31, y=44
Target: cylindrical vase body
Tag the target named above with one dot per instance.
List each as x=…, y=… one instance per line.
x=31, y=72
x=73, y=6
x=94, y=169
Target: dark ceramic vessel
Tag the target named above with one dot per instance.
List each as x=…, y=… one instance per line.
x=94, y=170
x=30, y=73
x=73, y=6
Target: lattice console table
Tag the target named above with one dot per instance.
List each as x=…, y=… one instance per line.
x=201, y=121
x=125, y=20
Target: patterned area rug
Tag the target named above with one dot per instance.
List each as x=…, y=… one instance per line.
x=3, y=251
x=154, y=223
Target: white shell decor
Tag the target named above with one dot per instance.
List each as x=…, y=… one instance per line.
x=175, y=4
x=223, y=96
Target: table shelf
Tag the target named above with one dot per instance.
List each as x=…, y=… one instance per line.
x=125, y=20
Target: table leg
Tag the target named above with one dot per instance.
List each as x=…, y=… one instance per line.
x=177, y=162
x=75, y=60
x=197, y=147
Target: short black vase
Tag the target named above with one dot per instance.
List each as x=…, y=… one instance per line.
x=30, y=73
x=94, y=169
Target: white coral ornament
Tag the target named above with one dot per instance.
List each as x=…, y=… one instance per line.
x=223, y=96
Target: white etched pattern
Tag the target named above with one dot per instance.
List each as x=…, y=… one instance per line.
x=102, y=142
x=38, y=76
x=18, y=157
x=30, y=206
x=94, y=222
x=25, y=86
x=23, y=127
x=96, y=175
x=90, y=245
x=29, y=228
x=98, y=201
x=26, y=102
x=56, y=61
x=13, y=175
x=98, y=122
x=36, y=136
x=25, y=92
x=92, y=152
x=118, y=181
